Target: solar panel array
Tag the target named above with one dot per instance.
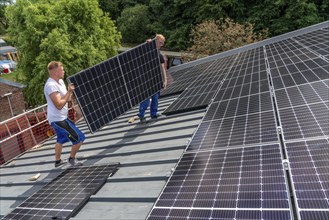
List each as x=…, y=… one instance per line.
x=201, y=90
x=317, y=41
x=226, y=184
x=64, y=195
x=109, y=89
x=182, y=79
x=177, y=81
x=309, y=166
x=261, y=150
x=300, y=72
x=194, y=76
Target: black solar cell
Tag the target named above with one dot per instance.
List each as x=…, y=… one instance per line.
x=310, y=215
x=237, y=181
x=193, y=98
x=306, y=121
x=183, y=79
x=318, y=41
x=64, y=195
x=201, y=89
x=309, y=169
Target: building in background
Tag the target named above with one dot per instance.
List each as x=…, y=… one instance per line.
x=11, y=99
x=8, y=57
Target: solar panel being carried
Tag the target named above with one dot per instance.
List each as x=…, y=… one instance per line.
x=109, y=89
x=261, y=149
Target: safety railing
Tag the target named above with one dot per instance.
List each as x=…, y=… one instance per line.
x=27, y=130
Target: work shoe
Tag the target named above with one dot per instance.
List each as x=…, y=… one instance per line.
x=59, y=163
x=142, y=120
x=74, y=162
x=156, y=116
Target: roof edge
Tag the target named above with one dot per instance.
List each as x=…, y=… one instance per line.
x=12, y=83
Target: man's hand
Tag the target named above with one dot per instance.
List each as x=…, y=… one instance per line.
x=165, y=84
x=71, y=88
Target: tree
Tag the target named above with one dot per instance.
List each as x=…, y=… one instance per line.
x=323, y=8
x=176, y=18
x=3, y=20
x=133, y=24
x=170, y=20
x=283, y=16
x=115, y=7
x=211, y=37
x=74, y=32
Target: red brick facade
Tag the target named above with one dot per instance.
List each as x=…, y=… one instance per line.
x=16, y=101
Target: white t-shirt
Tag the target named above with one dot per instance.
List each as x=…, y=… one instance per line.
x=53, y=114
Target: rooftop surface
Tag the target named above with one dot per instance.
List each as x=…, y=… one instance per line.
x=147, y=153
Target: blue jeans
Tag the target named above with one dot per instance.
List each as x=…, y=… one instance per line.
x=145, y=104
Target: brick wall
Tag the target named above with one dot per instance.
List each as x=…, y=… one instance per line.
x=16, y=100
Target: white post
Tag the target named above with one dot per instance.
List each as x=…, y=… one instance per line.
x=8, y=97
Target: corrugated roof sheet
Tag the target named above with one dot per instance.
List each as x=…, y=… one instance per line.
x=147, y=153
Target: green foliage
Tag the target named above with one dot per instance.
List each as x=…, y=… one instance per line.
x=133, y=24
x=300, y=15
x=3, y=19
x=176, y=18
x=323, y=8
x=282, y=16
x=170, y=20
x=116, y=7
x=13, y=76
x=74, y=32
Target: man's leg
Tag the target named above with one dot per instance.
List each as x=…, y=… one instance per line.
x=61, y=138
x=72, y=160
x=75, y=148
x=67, y=131
x=154, y=105
x=58, y=151
x=77, y=138
x=142, y=108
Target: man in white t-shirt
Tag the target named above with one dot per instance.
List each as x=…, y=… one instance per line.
x=57, y=97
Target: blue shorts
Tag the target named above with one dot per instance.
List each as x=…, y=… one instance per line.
x=67, y=131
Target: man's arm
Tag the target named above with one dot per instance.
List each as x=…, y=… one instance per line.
x=59, y=101
x=163, y=65
x=164, y=75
